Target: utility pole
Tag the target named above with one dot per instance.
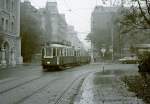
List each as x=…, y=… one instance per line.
x=112, y=34
x=92, y=56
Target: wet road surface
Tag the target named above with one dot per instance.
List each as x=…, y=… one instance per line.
x=30, y=85
x=105, y=89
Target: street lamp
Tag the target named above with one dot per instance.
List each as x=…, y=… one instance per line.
x=112, y=55
x=103, y=50
x=91, y=50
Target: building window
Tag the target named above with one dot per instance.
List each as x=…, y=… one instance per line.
x=7, y=4
x=12, y=5
x=7, y=28
x=2, y=3
x=3, y=23
x=12, y=27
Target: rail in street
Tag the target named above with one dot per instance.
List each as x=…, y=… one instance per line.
x=16, y=90
x=12, y=85
x=63, y=87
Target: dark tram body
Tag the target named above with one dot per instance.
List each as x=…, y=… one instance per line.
x=58, y=56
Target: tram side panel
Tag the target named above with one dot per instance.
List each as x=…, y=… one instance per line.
x=66, y=60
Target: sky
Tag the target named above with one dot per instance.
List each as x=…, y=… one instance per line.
x=78, y=13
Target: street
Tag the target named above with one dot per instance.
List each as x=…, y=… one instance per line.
x=28, y=84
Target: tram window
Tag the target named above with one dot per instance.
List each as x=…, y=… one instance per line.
x=54, y=51
x=65, y=52
x=61, y=52
x=71, y=52
x=58, y=51
x=68, y=52
x=75, y=53
x=48, y=51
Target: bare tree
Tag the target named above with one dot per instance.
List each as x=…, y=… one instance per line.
x=144, y=8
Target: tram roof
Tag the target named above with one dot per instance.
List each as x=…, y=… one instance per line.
x=58, y=46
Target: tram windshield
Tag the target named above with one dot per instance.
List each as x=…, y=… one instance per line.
x=49, y=52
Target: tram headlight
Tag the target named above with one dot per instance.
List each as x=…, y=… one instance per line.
x=48, y=62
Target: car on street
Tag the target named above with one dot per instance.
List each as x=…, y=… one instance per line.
x=129, y=60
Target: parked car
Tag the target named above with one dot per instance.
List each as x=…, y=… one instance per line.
x=129, y=60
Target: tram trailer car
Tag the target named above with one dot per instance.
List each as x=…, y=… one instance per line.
x=57, y=56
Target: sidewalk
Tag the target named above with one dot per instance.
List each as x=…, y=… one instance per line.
x=105, y=89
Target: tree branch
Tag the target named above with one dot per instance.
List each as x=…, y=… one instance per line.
x=143, y=13
x=147, y=6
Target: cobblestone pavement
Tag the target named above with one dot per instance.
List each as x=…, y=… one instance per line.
x=105, y=89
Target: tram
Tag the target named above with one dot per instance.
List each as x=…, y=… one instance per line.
x=58, y=56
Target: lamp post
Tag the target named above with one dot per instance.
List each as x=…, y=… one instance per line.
x=112, y=55
x=103, y=50
x=92, y=55
x=91, y=50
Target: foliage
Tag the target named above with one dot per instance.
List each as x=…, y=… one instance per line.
x=135, y=17
x=145, y=10
x=137, y=85
x=134, y=25
x=100, y=37
x=30, y=32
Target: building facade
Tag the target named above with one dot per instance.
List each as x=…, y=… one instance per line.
x=72, y=36
x=102, y=30
x=10, y=41
x=56, y=28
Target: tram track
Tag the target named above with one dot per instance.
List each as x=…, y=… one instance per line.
x=80, y=78
x=21, y=84
x=7, y=80
x=26, y=97
x=20, y=98
x=77, y=82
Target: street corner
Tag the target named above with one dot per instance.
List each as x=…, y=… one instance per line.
x=104, y=89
